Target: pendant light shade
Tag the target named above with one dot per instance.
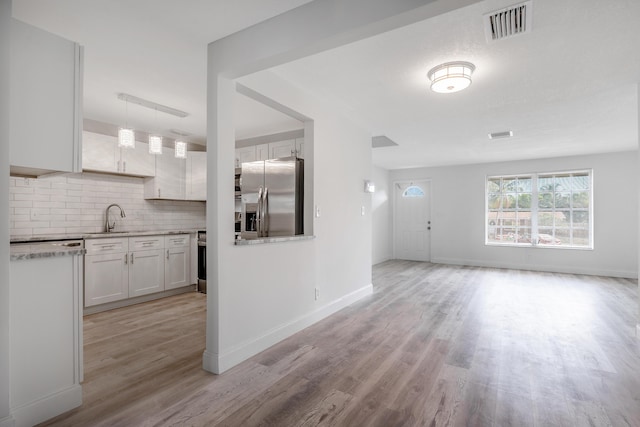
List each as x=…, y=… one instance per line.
x=451, y=76
x=126, y=138
x=181, y=149
x=155, y=144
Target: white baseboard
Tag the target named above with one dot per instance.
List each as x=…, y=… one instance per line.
x=7, y=422
x=218, y=363
x=51, y=406
x=545, y=268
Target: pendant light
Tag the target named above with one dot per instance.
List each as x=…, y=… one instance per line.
x=155, y=141
x=126, y=136
x=180, y=149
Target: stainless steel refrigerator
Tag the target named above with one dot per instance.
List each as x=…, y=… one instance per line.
x=272, y=198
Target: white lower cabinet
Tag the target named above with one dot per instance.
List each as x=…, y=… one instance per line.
x=45, y=338
x=106, y=271
x=127, y=267
x=146, y=265
x=177, y=266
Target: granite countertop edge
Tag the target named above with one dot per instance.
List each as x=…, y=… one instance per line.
x=266, y=240
x=101, y=235
x=42, y=250
x=48, y=246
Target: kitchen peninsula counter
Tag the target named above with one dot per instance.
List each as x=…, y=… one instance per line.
x=21, y=251
x=98, y=235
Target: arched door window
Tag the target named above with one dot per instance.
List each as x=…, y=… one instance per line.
x=413, y=191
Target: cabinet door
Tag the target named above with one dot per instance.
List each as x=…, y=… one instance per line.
x=177, y=267
x=280, y=149
x=262, y=152
x=196, y=175
x=137, y=161
x=246, y=154
x=169, y=181
x=100, y=153
x=105, y=278
x=300, y=148
x=46, y=102
x=146, y=272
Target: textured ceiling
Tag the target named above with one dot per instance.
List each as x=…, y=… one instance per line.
x=568, y=87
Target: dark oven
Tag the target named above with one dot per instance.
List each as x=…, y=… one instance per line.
x=202, y=261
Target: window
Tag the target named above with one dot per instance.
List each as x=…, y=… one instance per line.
x=545, y=209
x=413, y=191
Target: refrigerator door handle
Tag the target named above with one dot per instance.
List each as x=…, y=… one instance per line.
x=259, y=213
x=265, y=212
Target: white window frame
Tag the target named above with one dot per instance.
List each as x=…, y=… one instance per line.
x=534, y=210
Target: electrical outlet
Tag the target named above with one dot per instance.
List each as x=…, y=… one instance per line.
x=317, y=294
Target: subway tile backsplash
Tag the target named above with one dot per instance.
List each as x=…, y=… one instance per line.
x=76, y=203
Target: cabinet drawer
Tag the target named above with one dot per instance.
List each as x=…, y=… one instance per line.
x=106, y=246
x=143, y=243
x=177, y=241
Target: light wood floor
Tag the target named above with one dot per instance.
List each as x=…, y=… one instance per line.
x=435, y=345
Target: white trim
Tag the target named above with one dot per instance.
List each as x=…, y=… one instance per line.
x=44, y=409
x=630, y=274
x=7, y=422
x=218, y=363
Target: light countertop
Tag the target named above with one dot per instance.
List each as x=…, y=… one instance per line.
x=22, y=251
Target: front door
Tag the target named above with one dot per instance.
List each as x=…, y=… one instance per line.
x=412, y=220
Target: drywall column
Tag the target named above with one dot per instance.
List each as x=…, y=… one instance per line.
x=5, y=35
x=311, y=28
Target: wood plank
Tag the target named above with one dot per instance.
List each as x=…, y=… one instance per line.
x=434, y=345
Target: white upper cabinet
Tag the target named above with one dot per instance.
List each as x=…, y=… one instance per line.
x=137, y=161
x=286, y=148
x=245, y=154
x=100, y=153
x=170, y=179
x=196, y=185
x=46, y=102
x=300, y=148
x=262, y=152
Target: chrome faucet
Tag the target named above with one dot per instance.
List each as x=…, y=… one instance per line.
x=108, y=227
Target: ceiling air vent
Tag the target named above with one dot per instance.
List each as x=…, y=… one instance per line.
x=498, y=135
x=508, y=22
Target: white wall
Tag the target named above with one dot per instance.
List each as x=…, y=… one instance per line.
x=267, y=292
x=259, y=295
x=76, y=203
x=5, y=35
x=382, y=230
x=458, y=216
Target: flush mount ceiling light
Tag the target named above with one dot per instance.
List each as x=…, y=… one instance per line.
x=180, y=149
x=451, y=76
